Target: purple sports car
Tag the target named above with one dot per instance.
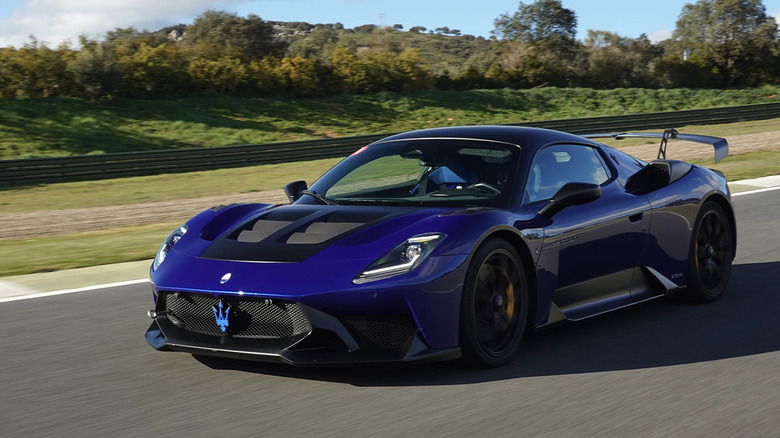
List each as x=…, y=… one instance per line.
x=444, y=243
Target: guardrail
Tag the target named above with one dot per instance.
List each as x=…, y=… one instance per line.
x=123, y=164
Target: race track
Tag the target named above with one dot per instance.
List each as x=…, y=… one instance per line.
x=78, y=365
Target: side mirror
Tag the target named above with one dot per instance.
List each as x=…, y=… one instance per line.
x=294, y=190
x=573, y=193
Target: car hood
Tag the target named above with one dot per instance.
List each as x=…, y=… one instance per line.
x=294, y=248
x=295, y=233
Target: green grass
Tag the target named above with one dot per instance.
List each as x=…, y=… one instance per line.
x=54, y=253
x=746, y=166
x=67, y=126
x=159, y=187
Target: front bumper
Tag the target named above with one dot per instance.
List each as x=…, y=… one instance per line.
x=275, y=330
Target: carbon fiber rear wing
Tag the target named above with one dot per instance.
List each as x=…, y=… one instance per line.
x=720, y=144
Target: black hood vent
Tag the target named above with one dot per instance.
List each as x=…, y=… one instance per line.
x=294, y=233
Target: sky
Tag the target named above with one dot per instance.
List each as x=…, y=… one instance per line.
x=54, y=21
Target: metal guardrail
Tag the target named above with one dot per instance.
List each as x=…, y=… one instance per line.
x=123, y=164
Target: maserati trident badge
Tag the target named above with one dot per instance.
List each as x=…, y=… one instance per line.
x=221, y=317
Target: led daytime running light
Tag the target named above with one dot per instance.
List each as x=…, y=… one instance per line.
x=401, y=259
x=170, y=241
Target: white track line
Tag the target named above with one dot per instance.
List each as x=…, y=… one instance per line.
x=72, y=291
x=768, y=189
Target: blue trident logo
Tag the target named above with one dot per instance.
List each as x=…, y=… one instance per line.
x=222, y=318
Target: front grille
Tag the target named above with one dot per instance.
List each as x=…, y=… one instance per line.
x=248, y=317
x=381, y=331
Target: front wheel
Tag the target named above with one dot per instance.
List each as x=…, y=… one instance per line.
x=710, y=256
x=494, y=306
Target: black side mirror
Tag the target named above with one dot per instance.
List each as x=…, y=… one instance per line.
x=294, y=190
x=573, y=193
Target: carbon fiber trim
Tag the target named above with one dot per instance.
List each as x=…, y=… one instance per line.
x=381, y=331
x=248, y=317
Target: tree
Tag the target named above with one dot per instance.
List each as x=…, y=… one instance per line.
x=316, y=44
x=125, y=41
x=154, y=70
x=263, y=75
x=348, y=72
x=735, y=37
x=518, y=66
x=471, y=79
x=413, y=70
x=540, y=22
x=379, y=71
x=35, y=70
x=95, y=69
x=616, y=61
x=299, y=76
x=366, y=28
x=539, y=45
x=386, y=40
x=249, y=37
x=226, y=75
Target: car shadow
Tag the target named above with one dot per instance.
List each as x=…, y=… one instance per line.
x=658, y=333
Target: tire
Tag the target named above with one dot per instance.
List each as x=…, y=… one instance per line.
x=710, y=255
x=494, y=305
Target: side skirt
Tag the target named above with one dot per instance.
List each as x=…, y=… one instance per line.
x=608, y=293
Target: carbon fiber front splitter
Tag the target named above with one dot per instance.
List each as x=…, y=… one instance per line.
x=318, y=348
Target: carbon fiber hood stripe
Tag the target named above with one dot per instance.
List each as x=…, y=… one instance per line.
x=293, y=233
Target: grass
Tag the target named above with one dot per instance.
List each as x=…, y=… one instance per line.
x=153, y=188
x=101, y=247
x=67, y=126
x=746, y=166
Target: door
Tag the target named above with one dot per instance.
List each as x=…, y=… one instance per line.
x=593, y=248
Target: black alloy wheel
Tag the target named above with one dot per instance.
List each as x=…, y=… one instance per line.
x=710, y=256
x=494, y=308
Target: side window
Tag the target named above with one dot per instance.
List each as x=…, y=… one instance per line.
x=555, y=166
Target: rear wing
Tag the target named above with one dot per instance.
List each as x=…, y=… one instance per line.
x=720, y=144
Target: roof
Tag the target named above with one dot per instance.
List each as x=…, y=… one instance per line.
x=525, y=137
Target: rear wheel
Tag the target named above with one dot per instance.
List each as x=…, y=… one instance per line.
x=710, y=256
x=494, y=307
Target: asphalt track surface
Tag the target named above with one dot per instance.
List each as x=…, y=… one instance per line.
x=78, y=365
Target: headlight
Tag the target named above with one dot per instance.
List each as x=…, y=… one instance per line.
x=401, y=259
x=167, y=245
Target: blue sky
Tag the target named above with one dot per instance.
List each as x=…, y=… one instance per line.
x=53, y=21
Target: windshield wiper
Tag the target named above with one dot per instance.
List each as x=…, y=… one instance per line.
x=458, y=193
x=379, y=201
x=317, y=196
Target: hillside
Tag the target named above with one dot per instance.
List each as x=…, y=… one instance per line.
x=45, y=127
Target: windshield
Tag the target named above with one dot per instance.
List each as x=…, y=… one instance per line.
x=446, y=172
